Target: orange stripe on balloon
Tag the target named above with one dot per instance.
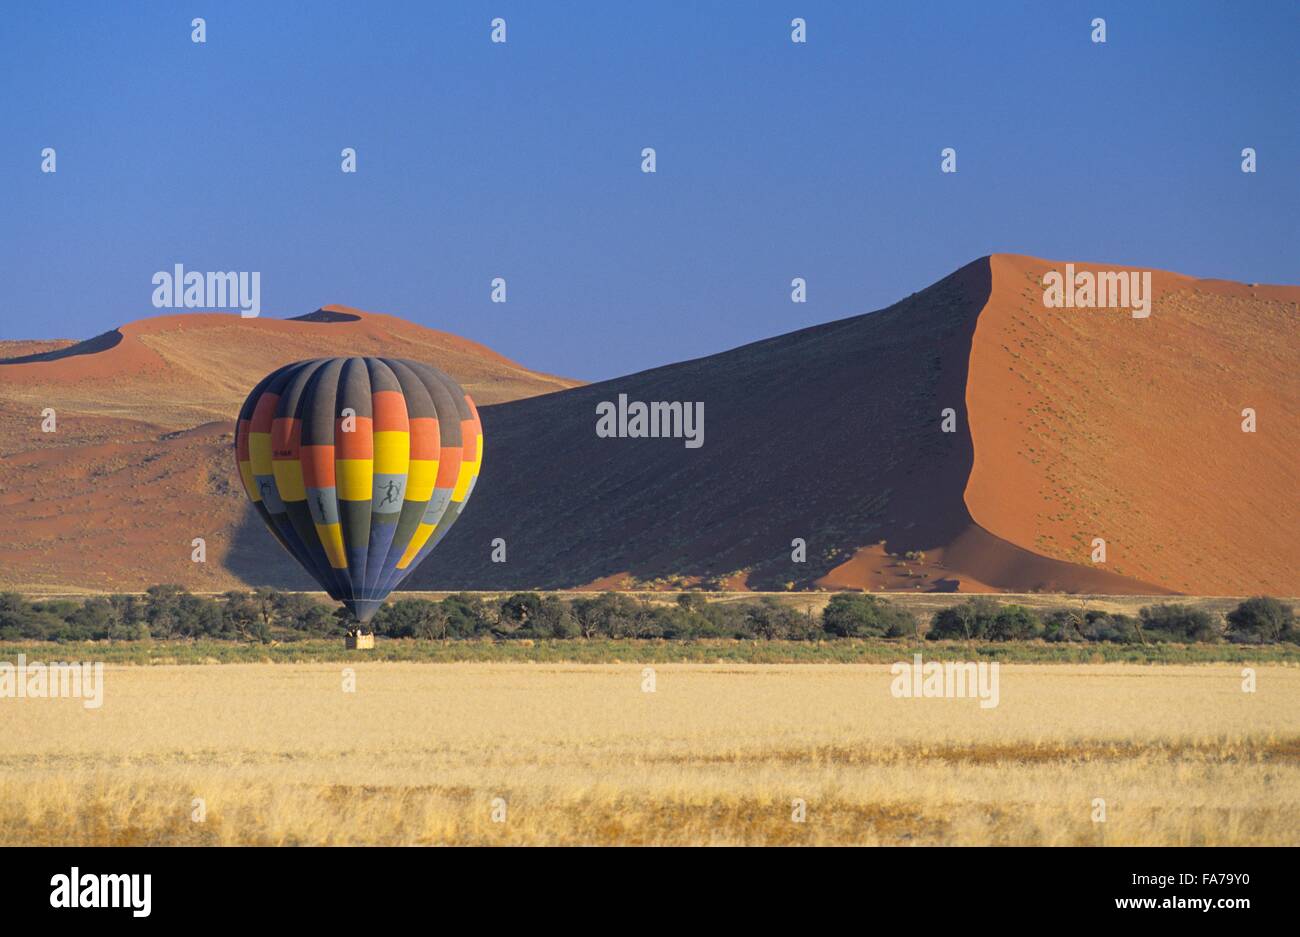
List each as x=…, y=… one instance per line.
x=424, y=438
x=390, y=411
x=264, y=412
x=469, y=437
x=358, y=444
x=317, y=466
x=469, y=433
x=449, y=467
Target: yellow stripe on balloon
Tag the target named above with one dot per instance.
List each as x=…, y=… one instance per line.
x=331, y=538
x=418, y=540
x=288, y=479
x=392, y=452
x=259, y=452
x=420, y=478
x=478, y=458
x=466, y=476
x=354, y=479
x=250, y=487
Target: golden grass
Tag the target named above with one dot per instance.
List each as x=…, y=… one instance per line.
x=280, y=754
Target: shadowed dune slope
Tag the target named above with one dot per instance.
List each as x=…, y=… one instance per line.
x=831, y=434
x=1072, y=424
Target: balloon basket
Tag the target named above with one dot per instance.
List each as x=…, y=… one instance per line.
x=359, y=641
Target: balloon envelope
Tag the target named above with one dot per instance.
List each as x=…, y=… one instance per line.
x=358, y=466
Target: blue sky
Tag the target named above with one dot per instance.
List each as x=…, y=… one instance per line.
x=522, y=160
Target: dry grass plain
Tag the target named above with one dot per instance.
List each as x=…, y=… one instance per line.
x=280, y=754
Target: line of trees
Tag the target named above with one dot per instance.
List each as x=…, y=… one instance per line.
x=170, y=612
x=1259, y=620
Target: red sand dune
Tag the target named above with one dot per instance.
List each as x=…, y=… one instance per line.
x=1090, y=423
x=140, y=462
x=181, y=370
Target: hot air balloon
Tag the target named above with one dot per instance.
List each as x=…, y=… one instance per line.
x=359, y=466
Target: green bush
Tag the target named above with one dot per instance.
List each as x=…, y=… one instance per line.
x=615, y=615
x=971, y=620
x=1014, y=623
x=517, y=614
x=1182, y=623
x=1067, y=624
x=467, y=616
x=554, y=619
x=411, y=618
x=1115, y=628
x=1063, y=624
x=774, y=620
x=1262, y=620
x=983, y=619
x=855, y=615
x=21, y=620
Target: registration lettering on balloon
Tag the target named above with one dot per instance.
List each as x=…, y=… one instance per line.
x=358, y=466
